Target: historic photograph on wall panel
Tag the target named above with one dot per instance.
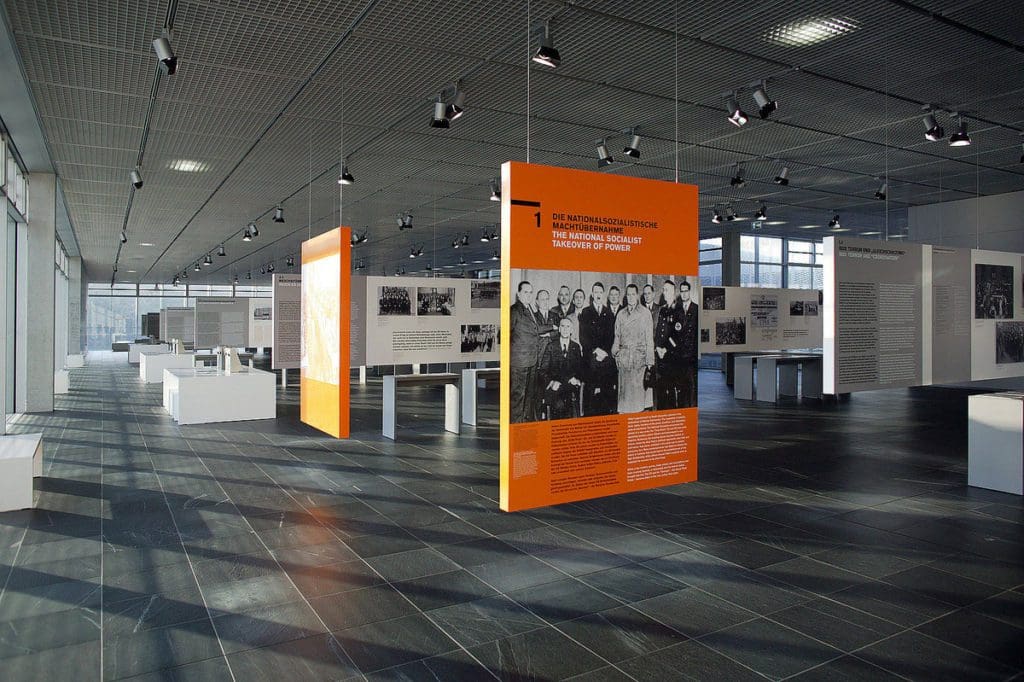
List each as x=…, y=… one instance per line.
x=730, y=331
x=485, y=295
x=796, y=308
x=714, y=298
x=1009, y=342
x=435, y=301
x=811, y=308
x=479, y=338
x=993, y=292
x=394, y=300
x=604, y=349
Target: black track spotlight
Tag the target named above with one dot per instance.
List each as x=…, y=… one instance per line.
x=633, y=148
x=404, y=221
x=883, y=189
x=221, y=252
x=737, y=179
x=207, y=260
x=456, y=243
x=462, y=260
x=730, y=214
x=495, y=189
x=439, y=119
x=184, y=274
x=248, y=275
x=345, y=178
x=736, y=115
x=246, y=235
x=164, y=52
x=783, y=177
x=235, y=281
x=270, y=267
x=766, y=106
x=263, y=269
x=197, y=267
x=253, y=230
x=485, y=236
x=465, y=240
x=495, y=256
x=547, y=54
x=400, y=271
x=278, y=217
x=716, y=215
x=604, y=157
x=834, y=223
x=457, y=106
x=762, y=212
x=289, y=262
x=933, y=132
x=359, y=238
x=960, y=138
x=136, y=178
x=124, y=237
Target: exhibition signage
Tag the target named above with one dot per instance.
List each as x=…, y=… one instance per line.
x=287, y=321
x=745, y=319
x=261, y=323
x=178, y=323
x=598, y=381
x=324, y=355
x=410, y=320
x=221, y=321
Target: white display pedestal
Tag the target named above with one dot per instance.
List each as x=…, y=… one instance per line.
x=471, y=380
x=451, y=398
x=995, y=442
x=21, y=459
x=743, y=377
x=206, y=394
x=152, y=365
x=61, y=381
x=778, y=375
x=74, y=361
x=134, y=349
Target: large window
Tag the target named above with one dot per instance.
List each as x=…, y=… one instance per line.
x=780, y=263
x=803, y=264
x=710, y=251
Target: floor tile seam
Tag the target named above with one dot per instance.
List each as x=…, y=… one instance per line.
x=195, y=577
x=608, y=662
x=833, y=660
x=416, y=608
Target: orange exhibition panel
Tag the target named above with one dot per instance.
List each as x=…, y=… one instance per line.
x=599, y=335
x=326, y=266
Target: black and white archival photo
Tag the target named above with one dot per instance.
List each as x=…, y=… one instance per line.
x=479, y=338
x=394, y=300
x=796, y=308
x=811, y=308
x=714, y=298
x=435, y=301
x=1009, y=342
x=993, y=292
x=730, y=331
x=586, y=344
x=485, y=295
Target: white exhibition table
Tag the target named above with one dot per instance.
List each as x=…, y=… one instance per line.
x=450, y=380
x=470, y=377
x=995, y=441
x=777, y=375
x=135, y=349
x=202, y=395
x=21, y=459
x=152, y=365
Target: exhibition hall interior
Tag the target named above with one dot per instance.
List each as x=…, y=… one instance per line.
x=593, y=340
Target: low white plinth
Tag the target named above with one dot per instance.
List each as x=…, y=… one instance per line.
x=452, y=404
x=995, y=442
x=471, y=380
x=61, y=381
x=74, y=361
x=134, y=349
x=743, y=377
x=152, y=365
x=21, y=458
x=203, y=395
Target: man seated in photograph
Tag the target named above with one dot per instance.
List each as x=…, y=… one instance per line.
x=597, y=334
x=561, y=371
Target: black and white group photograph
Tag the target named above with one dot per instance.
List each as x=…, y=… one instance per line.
x=796, y=308
x=1009, y=342
x=811, y=308
x=484, y=294
x=730, y=331
x=586, y=344
x=435, y=301
x=479, y=338
x=993, y=292
x=394, y=300
x=714, y=298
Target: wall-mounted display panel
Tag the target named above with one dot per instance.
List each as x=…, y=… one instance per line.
x=286, y=317
x=744, y=319
x=221, y=321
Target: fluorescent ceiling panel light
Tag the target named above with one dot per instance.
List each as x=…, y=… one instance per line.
x=810, y=31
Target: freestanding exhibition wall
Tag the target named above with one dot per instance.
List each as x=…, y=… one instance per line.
x=576, y=420
x=326, y=264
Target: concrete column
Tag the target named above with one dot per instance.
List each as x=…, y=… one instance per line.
x=731, y=259
x=38, y=293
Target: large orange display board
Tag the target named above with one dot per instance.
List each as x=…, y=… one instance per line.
x=595, y=400
x=326, y=267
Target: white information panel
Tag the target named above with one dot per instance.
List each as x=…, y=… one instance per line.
x=222, y=321
x=287, y=321
x=261, y=323
x=178, y=323
x=421, y=320
x=743, y=319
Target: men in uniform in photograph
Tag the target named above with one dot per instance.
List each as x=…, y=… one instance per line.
x=597, y=334
x=524, y=350
x=561, y=374
x=579, y=301
x=668, y=340
x=688, y=349
x=614, y=300
x=564, y=307
x=633, y=350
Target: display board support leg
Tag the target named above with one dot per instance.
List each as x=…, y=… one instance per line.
x=388, y=426
x=452, y=408
x=416, y=368
x=284, y=378
x=362, y=374
x=469, y=397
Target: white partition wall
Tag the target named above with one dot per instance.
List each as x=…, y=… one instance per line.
x=178, y=323
x=743, y=319
x=261, y=323
x=287, y=321
x=221, y=321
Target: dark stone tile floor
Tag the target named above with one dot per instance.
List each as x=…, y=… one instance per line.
x=834, y=541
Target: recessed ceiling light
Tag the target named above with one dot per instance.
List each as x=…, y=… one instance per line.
x=807, y=227
x=776, y=222
x=810, y=31
x=840, y=229
x=145, y=243
x=871, y=233
x=188, y=166
x=131, y=271
x=897, y=236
